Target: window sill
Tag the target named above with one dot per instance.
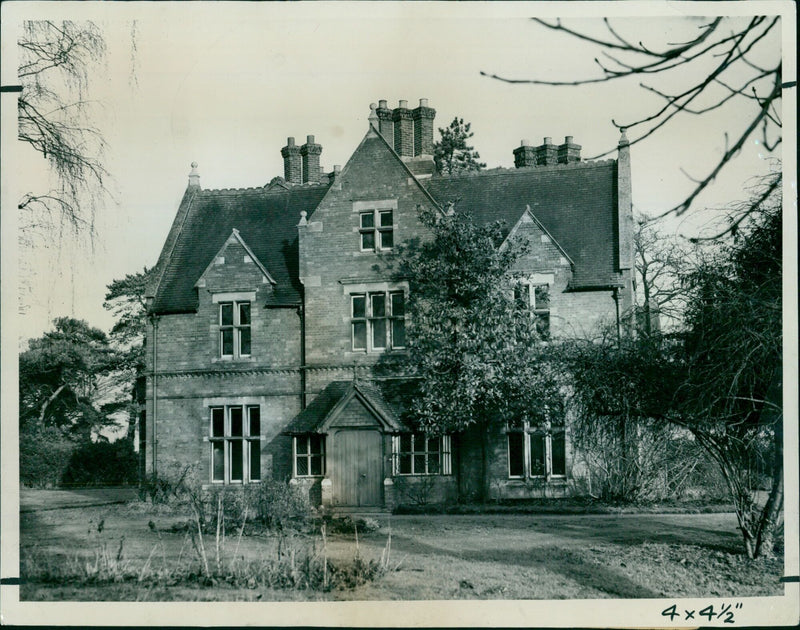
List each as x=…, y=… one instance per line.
x=247, y=359
x=560, y=479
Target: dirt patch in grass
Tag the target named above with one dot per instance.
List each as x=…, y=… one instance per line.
x=469, y=556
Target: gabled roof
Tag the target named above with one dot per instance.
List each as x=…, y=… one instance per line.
x=324, y=409
x=266, y=220
x=532, y=219
x=575, y=203
x=235, y=237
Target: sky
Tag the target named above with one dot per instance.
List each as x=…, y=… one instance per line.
x=224, y=84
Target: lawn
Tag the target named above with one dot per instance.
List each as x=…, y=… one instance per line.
x=439, y=556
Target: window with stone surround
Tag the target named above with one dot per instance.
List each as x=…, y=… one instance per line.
x=536, y=298
x=234, y=329
x=420, y=454
x=536, y=453
x=235, y=438
x=377, y=321
x=309, y=455
x=376, y=230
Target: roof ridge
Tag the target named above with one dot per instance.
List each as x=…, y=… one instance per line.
x=265, y=189
x=508, y=170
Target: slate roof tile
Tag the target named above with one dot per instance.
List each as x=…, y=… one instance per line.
x=267, y=221
x=577, y=204
x=312, y=418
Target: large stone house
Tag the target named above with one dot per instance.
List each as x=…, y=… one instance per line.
x=270, y=306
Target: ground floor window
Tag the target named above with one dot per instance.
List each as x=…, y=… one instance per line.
x=309, y=455
x=536, y=453
x=420, y=454
x=235, y=444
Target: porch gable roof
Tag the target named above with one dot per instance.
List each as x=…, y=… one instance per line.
x=325, y=408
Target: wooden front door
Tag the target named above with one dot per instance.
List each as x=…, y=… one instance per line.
x=357, y=467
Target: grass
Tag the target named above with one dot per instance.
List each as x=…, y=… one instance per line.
x=434, y=556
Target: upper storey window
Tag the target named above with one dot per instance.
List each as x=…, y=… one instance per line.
x=378, y=321
x=536, y=298
x=234, y=329
x=376, y=230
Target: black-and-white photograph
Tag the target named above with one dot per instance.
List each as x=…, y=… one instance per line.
x=401, y=304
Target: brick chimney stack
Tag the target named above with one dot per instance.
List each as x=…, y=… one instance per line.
x=310, y=153
x=423, y=128
x=547, y=153
x=569, y=152
x=385, y=123
x=524, y=155
x=292, y=169
x=403, y=130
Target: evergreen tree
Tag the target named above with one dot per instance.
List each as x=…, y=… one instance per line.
x=451, y=154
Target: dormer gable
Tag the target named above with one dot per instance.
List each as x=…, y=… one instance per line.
x=233, y=265
x=545, y=253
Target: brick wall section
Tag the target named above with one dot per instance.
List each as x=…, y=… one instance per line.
x=423, y=130
x=331, y=263
x=572, y=314
x=403, y=132
x=191, y=372
x=191, y=341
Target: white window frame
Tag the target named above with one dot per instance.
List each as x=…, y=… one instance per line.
x=308, y=455
x=248, y=440
x=370, y=321
x=237, y=327
x=444, y=452
x=529, y=433
x=377, y=229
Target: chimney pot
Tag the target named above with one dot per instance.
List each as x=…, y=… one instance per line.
x=382, y=103
x=403, y=105
x=569, y=152
x=548, y=140
x=310, y=139
x=292, y=162
x=524, y=155
x=423, y=128
x=337, y=168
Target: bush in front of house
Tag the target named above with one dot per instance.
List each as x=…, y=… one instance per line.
x=280, y=506
x=102, y=463
x=44, y=455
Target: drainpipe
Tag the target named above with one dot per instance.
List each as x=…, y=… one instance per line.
x=301, y=311
x=154, y=320
x=615, y=296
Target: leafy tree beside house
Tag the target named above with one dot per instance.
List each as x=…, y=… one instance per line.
x=63, y=384
x=125, y=298
x=451, y=154
x=475, y=350
x=719, y=378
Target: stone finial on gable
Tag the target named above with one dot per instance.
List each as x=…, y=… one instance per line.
x=303, y=218
x=194, y=176
x=373, y=116
x=623, y=138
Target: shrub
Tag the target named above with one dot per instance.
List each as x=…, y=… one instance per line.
x=44, y=455
x=102, y=463
x=281, y=506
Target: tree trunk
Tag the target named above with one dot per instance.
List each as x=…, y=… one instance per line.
x=765, y=544
x=47, y=402
x=770, y=515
